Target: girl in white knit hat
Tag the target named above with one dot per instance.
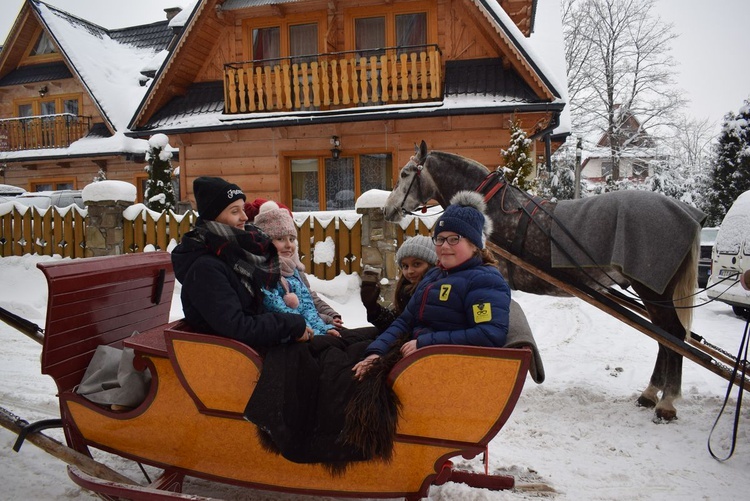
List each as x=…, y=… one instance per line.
x=415, y=256
x=293, y=294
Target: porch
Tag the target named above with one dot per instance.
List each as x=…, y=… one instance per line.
x=334, y=80
x=39, y=132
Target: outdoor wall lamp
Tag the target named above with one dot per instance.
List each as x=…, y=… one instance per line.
x=42, y=91
x=335, y=151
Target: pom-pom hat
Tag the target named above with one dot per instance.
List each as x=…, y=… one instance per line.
x=420, y=247
x=275, y=221
x=213, y=195
x=466, y=216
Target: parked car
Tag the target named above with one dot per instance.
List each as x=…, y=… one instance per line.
x=45, y=199
x=708, y=240
x=730, y=258
x=8, y=190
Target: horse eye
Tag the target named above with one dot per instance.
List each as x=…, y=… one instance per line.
x=404, y=174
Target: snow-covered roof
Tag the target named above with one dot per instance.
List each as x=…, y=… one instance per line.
x=110, y=70
x=544, y=49
x=109, y=65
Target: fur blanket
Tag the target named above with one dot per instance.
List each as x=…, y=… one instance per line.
x=309, y=408
x=645, y=234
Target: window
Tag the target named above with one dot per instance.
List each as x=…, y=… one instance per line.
x=397, y=25
x=325, y=184
x=53, y=184
x=288, y=37
x=48, y=106
x=43, y=46
x=42, y=49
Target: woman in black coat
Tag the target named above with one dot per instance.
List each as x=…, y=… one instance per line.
x=222, y=266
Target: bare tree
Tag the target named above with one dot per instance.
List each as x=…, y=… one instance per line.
x=690, y=143
x=619, y=68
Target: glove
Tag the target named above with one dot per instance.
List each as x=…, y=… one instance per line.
x=370, y=292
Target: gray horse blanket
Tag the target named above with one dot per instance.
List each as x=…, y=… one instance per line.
x=645, y=234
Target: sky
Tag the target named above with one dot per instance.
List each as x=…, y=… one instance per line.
x=710, y=49
x=578, y=433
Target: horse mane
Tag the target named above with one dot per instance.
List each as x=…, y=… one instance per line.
x=469, y=161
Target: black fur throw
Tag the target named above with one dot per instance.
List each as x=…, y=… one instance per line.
x=373, y=411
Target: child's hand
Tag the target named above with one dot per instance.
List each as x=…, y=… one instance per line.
x=333, y=332
x=361, y=368
x=337, y=322
x=409, y=347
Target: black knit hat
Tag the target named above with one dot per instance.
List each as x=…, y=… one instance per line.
x=213, y=195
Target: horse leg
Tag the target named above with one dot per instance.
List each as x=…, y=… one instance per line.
x=667, y=374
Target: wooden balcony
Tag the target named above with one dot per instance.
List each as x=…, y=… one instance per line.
x=49, y=131
x=334, y=81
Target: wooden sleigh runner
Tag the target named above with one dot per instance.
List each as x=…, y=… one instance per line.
x=190, y=426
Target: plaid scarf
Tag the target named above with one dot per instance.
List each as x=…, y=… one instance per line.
x=250, y=253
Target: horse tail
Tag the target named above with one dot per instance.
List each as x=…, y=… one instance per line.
x=684, y=291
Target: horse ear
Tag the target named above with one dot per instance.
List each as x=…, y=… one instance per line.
x=423, y=149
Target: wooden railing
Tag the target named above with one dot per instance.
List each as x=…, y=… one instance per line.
x=334, y=80
x=28, y=230
x=50, y=131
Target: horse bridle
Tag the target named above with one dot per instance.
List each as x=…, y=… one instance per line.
x=417, y=178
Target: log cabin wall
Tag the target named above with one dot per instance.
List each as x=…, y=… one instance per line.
x=79, y=171
x=258, y=159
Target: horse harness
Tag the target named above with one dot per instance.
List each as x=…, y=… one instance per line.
x=489, y=187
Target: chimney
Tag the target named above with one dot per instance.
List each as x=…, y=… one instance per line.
x=172, y=11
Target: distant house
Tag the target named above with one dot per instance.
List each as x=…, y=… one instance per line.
x=69, y=88
x=637, y=153
x=312, y=103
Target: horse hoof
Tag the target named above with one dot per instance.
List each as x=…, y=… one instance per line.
x=666, y=414
x=645, y=402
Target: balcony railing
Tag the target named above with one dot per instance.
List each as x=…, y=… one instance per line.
x=48, y=131
x=334, y=80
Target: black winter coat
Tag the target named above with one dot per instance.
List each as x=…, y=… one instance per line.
x=215, y=301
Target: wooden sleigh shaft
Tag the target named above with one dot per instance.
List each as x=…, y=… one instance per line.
x=635, y=316
x=455, y=398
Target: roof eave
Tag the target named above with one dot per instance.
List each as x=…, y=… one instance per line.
x=286, y=121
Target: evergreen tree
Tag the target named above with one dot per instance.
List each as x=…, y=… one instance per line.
x=730, y=176
x=159, y=195
x=518, y=165
x=560, y=183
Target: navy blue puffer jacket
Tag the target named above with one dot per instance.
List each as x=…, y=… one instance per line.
x=466, y=305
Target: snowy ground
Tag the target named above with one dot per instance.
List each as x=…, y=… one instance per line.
x=579, y=431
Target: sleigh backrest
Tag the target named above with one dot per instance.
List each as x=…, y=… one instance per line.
x=101, y=300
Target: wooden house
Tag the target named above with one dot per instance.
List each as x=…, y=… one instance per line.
x=66, y=88
x=636, y=153
x=314, y=102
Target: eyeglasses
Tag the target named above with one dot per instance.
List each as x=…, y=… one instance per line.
x=452, y=240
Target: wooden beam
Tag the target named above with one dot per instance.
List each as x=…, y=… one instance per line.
x=29, y=166
x=102, y=164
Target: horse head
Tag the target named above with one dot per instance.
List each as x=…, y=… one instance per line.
x=414, y=187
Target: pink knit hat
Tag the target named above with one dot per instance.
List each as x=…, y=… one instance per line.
x=275, y=221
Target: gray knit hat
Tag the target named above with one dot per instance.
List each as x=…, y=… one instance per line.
x=420, y=247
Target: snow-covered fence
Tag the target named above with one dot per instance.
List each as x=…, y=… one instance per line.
x=329, y=242
x=30, y=230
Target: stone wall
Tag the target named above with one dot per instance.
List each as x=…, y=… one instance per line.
x=104, y=227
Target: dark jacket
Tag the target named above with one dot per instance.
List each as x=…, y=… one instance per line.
x=214, y=300
x=468, y=305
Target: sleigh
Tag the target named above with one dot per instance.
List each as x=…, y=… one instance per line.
x=455, y=399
